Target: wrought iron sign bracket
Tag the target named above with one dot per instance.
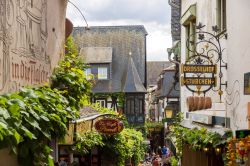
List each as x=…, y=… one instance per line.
x=204, y=66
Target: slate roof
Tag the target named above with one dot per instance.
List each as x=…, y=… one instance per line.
x=103, y=29
x=154, y=68
x=131, y=80
x=122, y=40
x=169, y=89
x=96, y=54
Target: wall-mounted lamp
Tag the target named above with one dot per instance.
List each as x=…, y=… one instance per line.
x=206, y=149
x=168, y=112
x=217, y=150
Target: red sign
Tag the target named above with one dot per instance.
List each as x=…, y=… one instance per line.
x=109, y=126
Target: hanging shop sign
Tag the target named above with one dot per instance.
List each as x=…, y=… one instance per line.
x=198, y=75
x=198, y=81
x=204, y=53
x=198, y=68
x=109, y=126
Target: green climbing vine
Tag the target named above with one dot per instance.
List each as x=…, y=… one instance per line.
x=87, y=141
x=70, y=78
x=32, y=117
x=121, y=146
x=198, y=139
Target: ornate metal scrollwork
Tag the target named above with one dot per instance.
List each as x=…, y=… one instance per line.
x=205, y=49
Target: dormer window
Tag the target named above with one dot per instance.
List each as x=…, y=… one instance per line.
x=102, y=73
x=100, y=61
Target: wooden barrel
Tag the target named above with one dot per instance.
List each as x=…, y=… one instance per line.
x=208, y=103
x=190, y=103
x=196, y=102
x=201, y=102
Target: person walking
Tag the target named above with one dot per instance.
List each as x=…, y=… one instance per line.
x=164, y=152
x=157, y=161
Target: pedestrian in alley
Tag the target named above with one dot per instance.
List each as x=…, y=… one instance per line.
x=141, y=163
x=62, y=162
x=159, y=151
x=147, y=163
x=164, y=152
x=157, y=161
x=147, y=157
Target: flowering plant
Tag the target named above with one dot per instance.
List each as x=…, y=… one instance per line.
x=237, y=151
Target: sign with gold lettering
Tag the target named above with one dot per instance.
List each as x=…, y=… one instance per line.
x=198, y=68
x=198, y=81
x=109, y=126
x=199, y=75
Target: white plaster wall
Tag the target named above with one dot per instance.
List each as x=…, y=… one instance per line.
x=238, y=50
x=206, y=14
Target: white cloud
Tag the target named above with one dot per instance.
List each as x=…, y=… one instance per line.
x=153, y=14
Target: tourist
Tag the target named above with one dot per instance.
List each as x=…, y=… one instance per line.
x=164, y=152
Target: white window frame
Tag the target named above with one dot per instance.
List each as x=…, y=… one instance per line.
x=102, y=73
x=101, y=102
x=88, y=73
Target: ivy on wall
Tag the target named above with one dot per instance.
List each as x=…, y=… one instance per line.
x=124, y=145
x=198, y=139
x=32, y=117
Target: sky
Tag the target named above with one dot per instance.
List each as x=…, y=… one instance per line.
x=153, y=14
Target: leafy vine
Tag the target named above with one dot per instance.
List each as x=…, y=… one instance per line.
x=32, y=117
x=198, y=139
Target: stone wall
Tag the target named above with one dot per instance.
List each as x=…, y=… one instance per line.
x=31, y=41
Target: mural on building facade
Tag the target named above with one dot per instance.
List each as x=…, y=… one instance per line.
x=23, y=37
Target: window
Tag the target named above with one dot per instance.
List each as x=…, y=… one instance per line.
x=88, y=73
x=102, y=73
x=190, y=34
x=221, y=14
x=101, y=102
x=188, y=19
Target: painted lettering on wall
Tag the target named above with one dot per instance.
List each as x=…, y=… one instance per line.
x=28, y=71
x=23, y=43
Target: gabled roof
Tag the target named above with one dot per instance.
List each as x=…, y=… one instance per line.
x=154, y=69
x=131, y=80
x=122, y=40
x=169, y=88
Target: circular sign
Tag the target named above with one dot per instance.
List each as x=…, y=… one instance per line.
x=109, y=126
